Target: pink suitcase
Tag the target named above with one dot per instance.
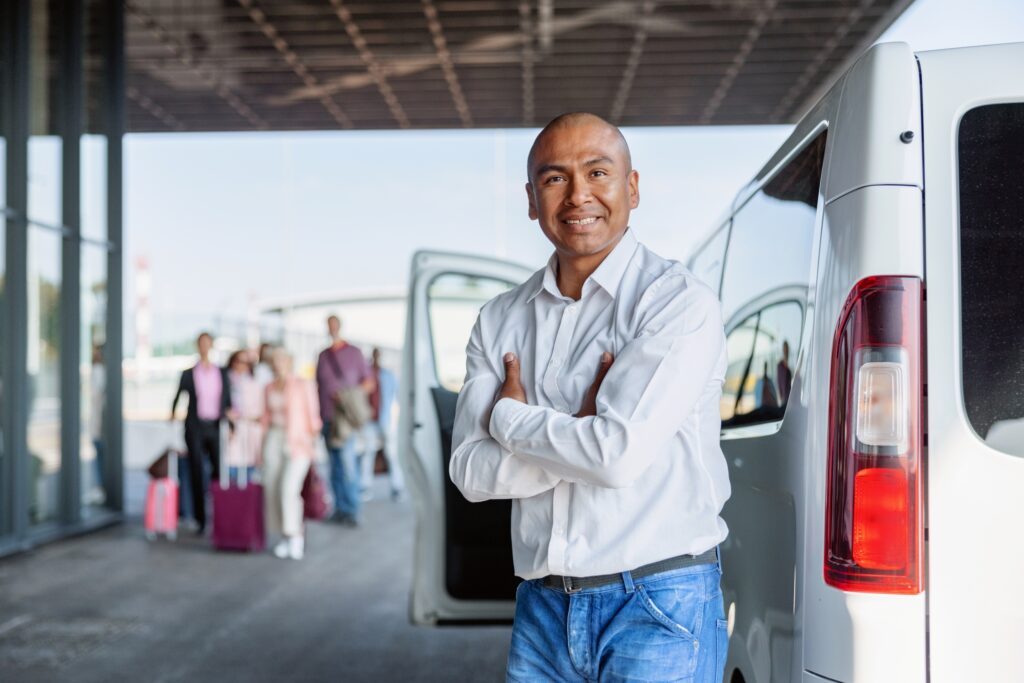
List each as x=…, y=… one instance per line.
x=161, y=514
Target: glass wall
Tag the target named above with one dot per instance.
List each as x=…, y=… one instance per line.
x=44, y=414
x=93, y=377
x=61, y=66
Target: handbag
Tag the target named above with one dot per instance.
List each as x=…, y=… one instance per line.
x=314, y=503
x=159, y=468
x=352, y=409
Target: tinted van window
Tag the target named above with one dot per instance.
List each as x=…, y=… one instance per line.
x=768, y=264
x=772, y=234
x=761, y=352
x=991, y=154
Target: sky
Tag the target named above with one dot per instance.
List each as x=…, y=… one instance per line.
x=227, y=220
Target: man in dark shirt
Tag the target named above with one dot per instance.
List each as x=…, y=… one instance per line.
x=209, y=398
x=341, y=366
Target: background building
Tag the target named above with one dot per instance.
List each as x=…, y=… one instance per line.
x=61, y=124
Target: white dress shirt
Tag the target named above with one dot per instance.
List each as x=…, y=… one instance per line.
x=643, y=480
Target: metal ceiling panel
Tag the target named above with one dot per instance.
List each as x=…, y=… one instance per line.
x=204, y=65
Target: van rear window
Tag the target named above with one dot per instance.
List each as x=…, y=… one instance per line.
x=991, y=159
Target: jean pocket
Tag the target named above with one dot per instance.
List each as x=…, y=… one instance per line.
x=679, y=608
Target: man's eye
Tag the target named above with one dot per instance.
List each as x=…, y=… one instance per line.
x=598, y=174
x=553, y=179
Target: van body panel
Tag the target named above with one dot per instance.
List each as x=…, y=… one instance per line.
x=975, y=506
x=854, y=637
x=880, y=101
x=787, y=623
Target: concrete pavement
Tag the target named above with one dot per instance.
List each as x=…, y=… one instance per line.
x=113, y=607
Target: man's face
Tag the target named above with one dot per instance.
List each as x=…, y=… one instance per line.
x=333, y=326
x=582, y=188
x=204, y=344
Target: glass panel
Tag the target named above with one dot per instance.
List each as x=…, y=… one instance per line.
x=93, y=375
x=44, y=179
x=772, y=234
x=454, y=302
x=94, y=187
x=44, y=145
x=762, y=357
x=991, y=251
x=44, y=268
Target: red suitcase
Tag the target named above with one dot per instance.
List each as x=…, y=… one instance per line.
x=237, y=510
x=161, y=513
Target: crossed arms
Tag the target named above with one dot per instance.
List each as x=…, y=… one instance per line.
x=505, y=448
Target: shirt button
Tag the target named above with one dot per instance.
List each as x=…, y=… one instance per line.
x=556, y=361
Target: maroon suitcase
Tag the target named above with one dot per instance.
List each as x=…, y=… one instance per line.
x=237, y=511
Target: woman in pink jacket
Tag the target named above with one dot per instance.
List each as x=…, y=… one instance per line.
x=292, y=423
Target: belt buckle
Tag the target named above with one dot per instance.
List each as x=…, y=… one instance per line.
x=568, y=587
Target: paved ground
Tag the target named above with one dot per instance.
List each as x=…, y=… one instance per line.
x=113, y=607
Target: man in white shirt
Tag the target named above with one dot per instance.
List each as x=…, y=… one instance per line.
x=591, y=400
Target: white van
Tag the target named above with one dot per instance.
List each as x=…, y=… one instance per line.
x=872, y=283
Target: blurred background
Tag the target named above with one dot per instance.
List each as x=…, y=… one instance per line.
x=248, y=167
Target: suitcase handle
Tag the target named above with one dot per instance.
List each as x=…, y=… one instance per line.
x=225, y=437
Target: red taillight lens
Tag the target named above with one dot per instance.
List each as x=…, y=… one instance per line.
x=874, y=536
x=880, y=518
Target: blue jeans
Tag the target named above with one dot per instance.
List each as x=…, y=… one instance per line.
x=235, y=474
x=344, y=475
x=664, y=627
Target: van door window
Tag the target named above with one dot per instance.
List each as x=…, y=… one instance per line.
x=759, y=378
x=991, y=147
x=455, y=300
x=773, y=233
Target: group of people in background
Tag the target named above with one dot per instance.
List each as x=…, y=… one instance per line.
x=275, y=420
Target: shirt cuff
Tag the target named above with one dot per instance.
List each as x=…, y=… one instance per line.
x=505, y=414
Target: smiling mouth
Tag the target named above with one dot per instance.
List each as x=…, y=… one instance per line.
x=581, y=221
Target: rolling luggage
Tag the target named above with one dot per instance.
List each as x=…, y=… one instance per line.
x=237, y=509
x=161, y=511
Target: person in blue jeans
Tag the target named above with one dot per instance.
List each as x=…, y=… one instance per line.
x=591, y=400
x=342, y=366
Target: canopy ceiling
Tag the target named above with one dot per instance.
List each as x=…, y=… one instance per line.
x=205, y=65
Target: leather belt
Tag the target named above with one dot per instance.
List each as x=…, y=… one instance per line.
x=574, y=584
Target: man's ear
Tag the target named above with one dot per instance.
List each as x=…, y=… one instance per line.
x=531, y=201
x=634, y=189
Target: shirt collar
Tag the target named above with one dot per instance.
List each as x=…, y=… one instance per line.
x=607, y=276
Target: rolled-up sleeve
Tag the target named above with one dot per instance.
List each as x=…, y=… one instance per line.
x=480, y=467
x=652, y=388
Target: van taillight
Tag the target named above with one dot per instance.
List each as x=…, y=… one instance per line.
x=874, y=536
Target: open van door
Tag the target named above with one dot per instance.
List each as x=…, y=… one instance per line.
x=462, y=569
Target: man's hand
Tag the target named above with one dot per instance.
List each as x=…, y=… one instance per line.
x=512, y=387
x=589, y=406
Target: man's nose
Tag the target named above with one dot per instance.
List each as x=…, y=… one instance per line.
x=579, y=192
